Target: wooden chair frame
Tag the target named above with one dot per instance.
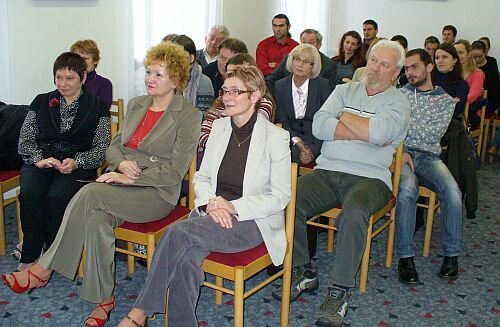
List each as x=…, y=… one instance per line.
x=388, y=210
x=431, y=207
x=119, y=114
x=239, y=274
x=6, y=185
x=478, y=133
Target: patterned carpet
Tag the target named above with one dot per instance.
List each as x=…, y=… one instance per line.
x=472, y=300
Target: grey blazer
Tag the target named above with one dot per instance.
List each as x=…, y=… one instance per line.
x=166, y=151
x=319, y=90
x=266, y=182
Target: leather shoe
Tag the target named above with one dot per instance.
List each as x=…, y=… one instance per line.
x=449, y=269
x=407, y=271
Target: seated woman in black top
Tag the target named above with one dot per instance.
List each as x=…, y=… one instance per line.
x=350, y=57
x=64, y=138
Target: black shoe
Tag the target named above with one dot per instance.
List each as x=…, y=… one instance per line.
x=272, y=269
x=407, y=271
x=471, y=214
x=449, y=269
x=334, y=308
x=303, y=280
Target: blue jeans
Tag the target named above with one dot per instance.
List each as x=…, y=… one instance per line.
x=432, y=173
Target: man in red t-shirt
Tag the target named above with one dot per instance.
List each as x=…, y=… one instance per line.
x=273, y=49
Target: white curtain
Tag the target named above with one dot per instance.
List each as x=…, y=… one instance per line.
x=308, y=14
x=5, y=90
x=153, y=19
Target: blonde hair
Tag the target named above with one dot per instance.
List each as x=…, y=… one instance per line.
x=470, y=65
x=175, y=60
x=88, y=47
x=308, y=51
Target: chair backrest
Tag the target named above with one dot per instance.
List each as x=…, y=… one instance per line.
x=118, y=113
x=484, y=95
x=190, y=176
x=290, y=209
x=397, y=164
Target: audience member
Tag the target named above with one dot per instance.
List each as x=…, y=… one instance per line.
x=431, y=43
x=490, y=70
x=63, y=139
x=314, y=38
x=486, y=41
x=401, y=80
x=298, y=97
x=152, y=151
x=361, y=125
x=271, y=51
x=266, y=106
x=447, y=73
x=232, y=213
x=431, y=112
x=214, y=37
x=216, y=70
x=370, y=30
x=350, y=57
x=96, y=84
x=449, y=34
x=473, y=75
x=199, y=90
x=360, y=72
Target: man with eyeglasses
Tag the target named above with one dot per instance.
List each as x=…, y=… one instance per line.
x=361, y=124
x=271, y=51
x=227, y=49
x=314, y=38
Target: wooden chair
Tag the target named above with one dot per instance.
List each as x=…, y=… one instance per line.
x=478, y=132
x=431, y=206
x=118, y=114
x=238, y=267
x=9, y=180
x=149, y=234
x=388, y=210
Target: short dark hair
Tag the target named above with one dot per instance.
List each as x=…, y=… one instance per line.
x=242, y=58
x=371, y=22
x=234, y=44
x=478, y=45
x=401, y=40
x=72, y=61
x=282, y=16
x=424, y=56
x=186, y=42
x=487, y=39
x=451, y=28
x=431, y=39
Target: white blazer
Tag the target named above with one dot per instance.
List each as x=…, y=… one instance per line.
x=266, y=182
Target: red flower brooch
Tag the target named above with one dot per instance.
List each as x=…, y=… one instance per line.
x=54, y=102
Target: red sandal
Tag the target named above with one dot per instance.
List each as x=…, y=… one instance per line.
x=101, y=321
x=16, y=287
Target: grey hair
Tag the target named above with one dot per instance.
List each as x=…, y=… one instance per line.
x=319, y=37
x=308, y=50
x=221, y=29
x=392, y=45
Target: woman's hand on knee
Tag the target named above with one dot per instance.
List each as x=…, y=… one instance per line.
x=115, y=177
x=222, y=217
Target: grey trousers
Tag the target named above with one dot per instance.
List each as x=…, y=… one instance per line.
x=359, y=196
x=89, y=220
x=177, y=261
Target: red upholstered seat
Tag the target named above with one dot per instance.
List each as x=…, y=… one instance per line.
x=239, y=258
x=309, y=165
x=8, y=174
x=156, y=225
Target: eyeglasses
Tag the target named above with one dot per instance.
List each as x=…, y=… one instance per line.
x=233, y=92
x=304, y=61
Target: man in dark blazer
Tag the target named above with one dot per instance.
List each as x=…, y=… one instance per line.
x=314, y=38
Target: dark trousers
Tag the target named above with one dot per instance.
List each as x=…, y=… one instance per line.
x=44, y=195
x=359, y=196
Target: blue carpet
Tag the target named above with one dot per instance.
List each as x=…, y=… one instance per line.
x=472, y=300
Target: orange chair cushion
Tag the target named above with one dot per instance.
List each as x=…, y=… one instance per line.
x=239, y=258
x=154, y=226
x=8, y=174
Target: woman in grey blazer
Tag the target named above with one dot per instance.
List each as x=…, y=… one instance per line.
x=152, y=152
x=242, y=189
x=298, y=97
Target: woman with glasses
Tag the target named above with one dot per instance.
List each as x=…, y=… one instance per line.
x=152, y=152
x=266, y=105
x=239, y=203
x=298, y=97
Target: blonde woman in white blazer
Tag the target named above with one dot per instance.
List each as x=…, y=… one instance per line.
x=242, y=189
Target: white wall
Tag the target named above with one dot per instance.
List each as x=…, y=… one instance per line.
x=39, y=30
x=417, y=19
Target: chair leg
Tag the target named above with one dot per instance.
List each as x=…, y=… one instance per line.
x=2, y=228
x=428, y=227
x=130, y=258
x=219, y=281
x=363, y=277
x=20, y=234
x=150, y=248
x=331, y=235
x=390, y=239
x=239, y=290
x=285, y=291
x=165, y=318
x=487, y=123
x=81, y=266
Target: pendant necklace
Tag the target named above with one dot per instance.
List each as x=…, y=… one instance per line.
x=240, y=143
